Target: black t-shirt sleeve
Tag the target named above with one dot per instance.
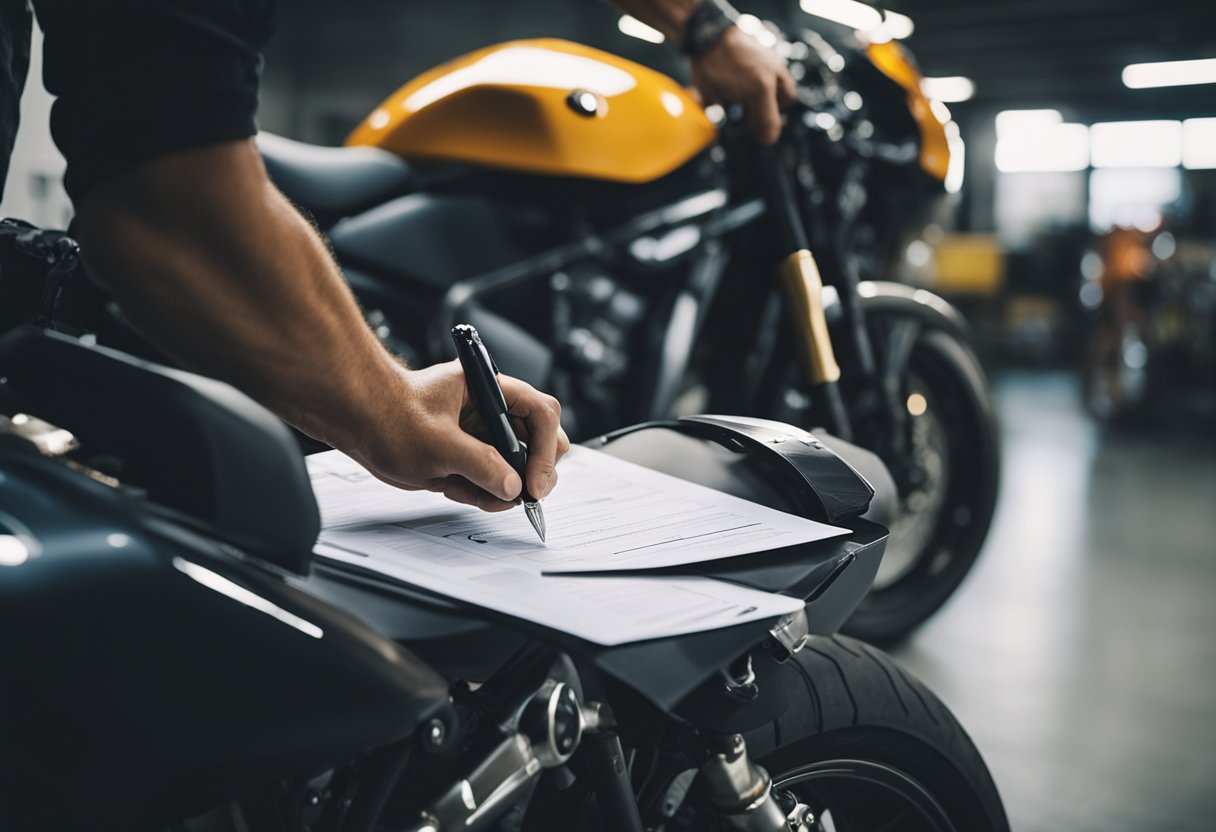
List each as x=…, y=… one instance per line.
x=137, y=79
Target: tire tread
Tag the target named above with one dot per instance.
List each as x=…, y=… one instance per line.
x=860, y=701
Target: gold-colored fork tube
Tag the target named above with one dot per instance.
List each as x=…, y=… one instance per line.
x=803, y=289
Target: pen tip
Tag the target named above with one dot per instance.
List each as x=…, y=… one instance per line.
x=536, y=517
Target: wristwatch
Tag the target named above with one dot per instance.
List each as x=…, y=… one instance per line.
x=706, y=26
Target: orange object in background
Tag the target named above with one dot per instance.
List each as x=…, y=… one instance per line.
x=1125, y=259
x=968, y=264
x=543, y=106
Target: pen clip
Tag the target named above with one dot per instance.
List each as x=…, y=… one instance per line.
x=476, y=336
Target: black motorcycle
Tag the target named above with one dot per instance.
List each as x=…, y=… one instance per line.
x=173, y=656
x=617, y=247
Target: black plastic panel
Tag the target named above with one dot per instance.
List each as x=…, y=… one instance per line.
x=196, y=445
x=146, y=675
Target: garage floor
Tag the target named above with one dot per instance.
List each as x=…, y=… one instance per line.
x=1081, y=652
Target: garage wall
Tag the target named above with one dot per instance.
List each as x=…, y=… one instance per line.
x=34, y=190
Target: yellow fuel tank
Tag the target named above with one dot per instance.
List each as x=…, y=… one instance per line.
x=543, y=106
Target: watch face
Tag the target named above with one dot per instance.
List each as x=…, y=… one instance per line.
x=705, y=28
x=708, y=31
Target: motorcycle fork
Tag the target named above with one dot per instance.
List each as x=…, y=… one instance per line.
x=880, y=366
x=802, y=288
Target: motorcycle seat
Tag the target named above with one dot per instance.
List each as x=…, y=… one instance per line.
x=333, y=182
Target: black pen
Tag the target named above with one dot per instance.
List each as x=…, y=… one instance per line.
x=481, y=376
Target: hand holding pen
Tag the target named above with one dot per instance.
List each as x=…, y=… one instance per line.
x=421, y=431
x=483, y=381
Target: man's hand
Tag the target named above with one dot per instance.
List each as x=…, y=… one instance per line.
x=428, y=437
x=740, y=70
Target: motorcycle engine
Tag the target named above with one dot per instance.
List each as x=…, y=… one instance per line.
x=595, y=318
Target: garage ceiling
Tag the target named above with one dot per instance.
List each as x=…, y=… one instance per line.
x=330, y=64
x=1067, y=53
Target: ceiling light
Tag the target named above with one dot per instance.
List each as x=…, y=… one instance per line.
x=1050, y=147
x=637, y=29
x=899, y=26
x=1199, y=143
x=1170, y=74
x=951, y=88
x=1136, y=144
x=1011, y=122
x=845, y=12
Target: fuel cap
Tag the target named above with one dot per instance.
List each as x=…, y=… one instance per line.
x=584, y=102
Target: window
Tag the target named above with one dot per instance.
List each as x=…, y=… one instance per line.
x=1134, y=197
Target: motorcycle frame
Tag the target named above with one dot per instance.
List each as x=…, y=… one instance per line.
x=799, y=282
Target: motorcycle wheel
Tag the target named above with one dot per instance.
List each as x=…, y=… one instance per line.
x=873, y=748
x=947, y=474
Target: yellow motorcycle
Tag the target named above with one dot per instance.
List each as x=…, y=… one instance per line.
x=622, y=248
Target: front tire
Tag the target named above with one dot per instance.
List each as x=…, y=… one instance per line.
x=871, y=747
x=947, y=475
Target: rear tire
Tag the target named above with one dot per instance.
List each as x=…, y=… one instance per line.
x=874, y=748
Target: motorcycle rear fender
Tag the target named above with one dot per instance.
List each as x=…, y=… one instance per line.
x=833, y=575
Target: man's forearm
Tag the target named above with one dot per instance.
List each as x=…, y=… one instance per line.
x=219, y=270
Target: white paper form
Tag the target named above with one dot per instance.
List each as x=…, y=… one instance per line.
x=606, y=514
x=603, y=609
x=601, y=509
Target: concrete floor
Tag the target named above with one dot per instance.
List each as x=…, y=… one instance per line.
x=1080, y=654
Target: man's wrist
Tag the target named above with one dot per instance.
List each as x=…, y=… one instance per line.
x=706, y=26
x=355, y=413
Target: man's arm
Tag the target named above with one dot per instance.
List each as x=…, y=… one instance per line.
x=736, y=70
x=218, y=269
